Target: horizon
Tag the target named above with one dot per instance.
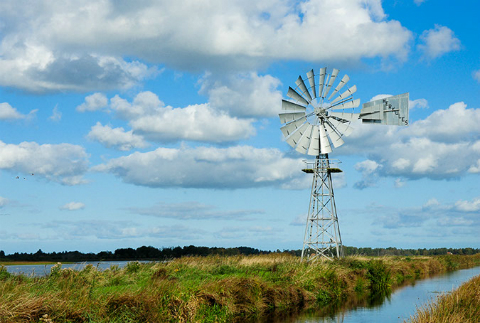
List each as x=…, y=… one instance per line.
x=136, y=130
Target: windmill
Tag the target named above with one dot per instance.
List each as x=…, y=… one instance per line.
x=317, y=116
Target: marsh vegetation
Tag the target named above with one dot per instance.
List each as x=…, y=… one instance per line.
x=208, y=289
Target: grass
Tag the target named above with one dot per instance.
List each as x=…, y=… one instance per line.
x=460, y=306
x=207, y=289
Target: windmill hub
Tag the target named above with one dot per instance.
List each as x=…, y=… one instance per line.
x=320, y=112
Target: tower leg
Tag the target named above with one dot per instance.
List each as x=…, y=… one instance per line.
x=322, y=232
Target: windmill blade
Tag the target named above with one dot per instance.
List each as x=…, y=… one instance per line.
x=343, y=81
x=333, y=76
x=346, y=94
x=346, y=105
x=288, y=117
x=287, y=105
x=343, y=128
x=304, y=142
x=289, y=128
x=314, y=147
x=325, y=147
x=294, y=138
x=323, y=72
x=311, y=80
x=337, y=140
x=345, y=116
x=301, y=86
x=294, y=95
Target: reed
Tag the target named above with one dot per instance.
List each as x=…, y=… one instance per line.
x=206, y=289
x=459, y=306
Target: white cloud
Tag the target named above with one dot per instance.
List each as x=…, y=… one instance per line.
x=116, y=138
x=94, y=102
x=476, y=75
x=3, y=201
x=419, y=2
x=56, y=115
x=148, y=116
x=444, y=145
x=369, y=176
x=7, y=112
x=73, y=206
x=244, y=95
x=44, y=49
x=438, y=41
x=206, y=167
x=64, y=163
x=468, y=206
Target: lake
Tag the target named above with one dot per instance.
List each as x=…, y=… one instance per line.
x=43, y=270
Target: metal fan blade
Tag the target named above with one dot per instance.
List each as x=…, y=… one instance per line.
x=301, y=86
x=346, y=94
x=294, y=138
x=323, y=72
x=346, y=105
x=325, y=147
x=337, y=140
x=304, y=142
x=343, y=128
x=333, y=76
x=289, y=128
x=288, y=117
x=287, y=105
x=311, y=80
x=294, y=95
x=343, y=81
x=314, y=147
x=345, y=116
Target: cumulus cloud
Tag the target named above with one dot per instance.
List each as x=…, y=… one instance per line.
x=116, y=138
x=148, y=116
x=64, y=163
x=444, y=145
x=205, y=167
x=438, y=41
x=244, y=95
x=73, y=206
x=43, y=48
x=94, y=102
x=7, y=112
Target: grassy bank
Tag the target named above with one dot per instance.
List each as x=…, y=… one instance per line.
x=207, y=289
x=460, y=306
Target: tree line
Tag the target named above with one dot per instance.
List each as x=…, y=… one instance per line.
x=152, y=253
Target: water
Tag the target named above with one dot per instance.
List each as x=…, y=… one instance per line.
x=43, y=270
x=400, y=305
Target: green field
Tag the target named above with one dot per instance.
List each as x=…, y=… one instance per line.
x=208, y=289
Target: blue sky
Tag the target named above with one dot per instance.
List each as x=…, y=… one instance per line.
x=156, y=123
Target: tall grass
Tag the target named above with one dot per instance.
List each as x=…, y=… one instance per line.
x=460, y=306
x=206, y=289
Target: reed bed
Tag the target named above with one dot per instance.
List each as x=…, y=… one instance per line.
x=207, y=289
x=459, y=306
